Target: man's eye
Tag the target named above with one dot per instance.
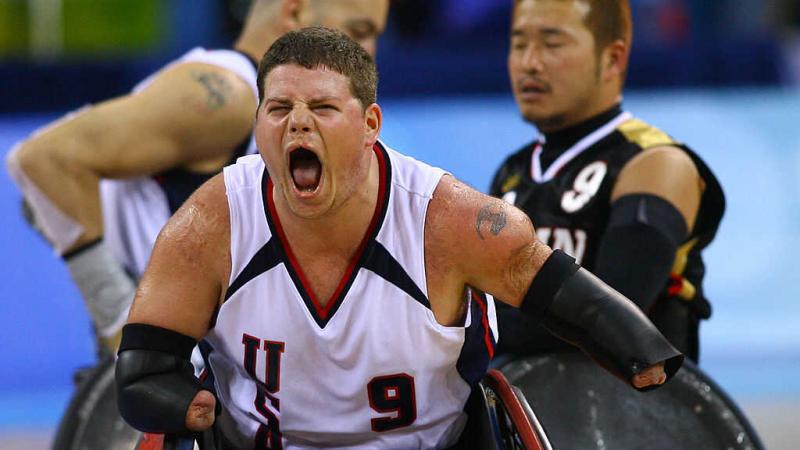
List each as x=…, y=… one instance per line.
x=361, y=33
x=519, y=45
x=331, y=107
x=277, y=109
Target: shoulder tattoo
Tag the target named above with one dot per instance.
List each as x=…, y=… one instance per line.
x=217, y=88
x=494, y=216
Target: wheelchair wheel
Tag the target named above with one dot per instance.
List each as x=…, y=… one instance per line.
x=582, y=406
x=92, y=420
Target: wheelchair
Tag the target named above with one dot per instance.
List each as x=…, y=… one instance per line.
x=499, y=419
x=577, y=406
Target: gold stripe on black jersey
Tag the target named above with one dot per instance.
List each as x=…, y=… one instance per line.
x=679, y=286
x=644, y=135
x=510, y=183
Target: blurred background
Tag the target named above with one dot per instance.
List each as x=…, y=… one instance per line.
x=722, y=75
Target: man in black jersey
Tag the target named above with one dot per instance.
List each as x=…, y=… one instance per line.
x=622, y=197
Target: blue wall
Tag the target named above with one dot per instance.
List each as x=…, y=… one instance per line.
x=750, y=138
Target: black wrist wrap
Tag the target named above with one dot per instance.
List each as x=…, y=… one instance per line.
x=155, y=380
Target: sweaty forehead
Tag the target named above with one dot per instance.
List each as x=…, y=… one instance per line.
x=295, y=81
x=563, y=13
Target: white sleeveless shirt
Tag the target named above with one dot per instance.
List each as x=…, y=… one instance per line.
x=372, y=369
x=135, y=209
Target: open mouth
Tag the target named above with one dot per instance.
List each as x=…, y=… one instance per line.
x=305, y=168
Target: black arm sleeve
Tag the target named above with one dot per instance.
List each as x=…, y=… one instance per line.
x=155, y=380
x=638, y=247
x=578, y=307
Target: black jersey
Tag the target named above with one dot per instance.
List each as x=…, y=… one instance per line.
x=565, y=186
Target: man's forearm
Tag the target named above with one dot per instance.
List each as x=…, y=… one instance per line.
x=63, y=195
x=580, y=308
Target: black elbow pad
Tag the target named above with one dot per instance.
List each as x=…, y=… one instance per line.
x=155, y=380
x=601, y=321
x=638, y=247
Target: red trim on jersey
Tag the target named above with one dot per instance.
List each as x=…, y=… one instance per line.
x=487, y=331
x=380, y=205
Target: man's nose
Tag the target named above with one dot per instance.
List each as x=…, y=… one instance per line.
x=532, y=59
x=300, y=120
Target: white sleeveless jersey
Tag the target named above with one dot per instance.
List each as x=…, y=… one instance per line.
x=135, y=209
x=370, y=370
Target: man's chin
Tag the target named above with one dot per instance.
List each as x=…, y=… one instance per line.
x=308, y=209
x=544, y=122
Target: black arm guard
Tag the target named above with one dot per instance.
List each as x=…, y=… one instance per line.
x=601, y=321
x=638, y=247
x=155, y=380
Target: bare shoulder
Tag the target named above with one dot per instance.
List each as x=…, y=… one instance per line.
x=197, y=237
x=478, y=238
x=462, y=214
x=663, y=159
x=188, y=269
x=202, y=223
x=216, y=88
x=667, y=172
x=206, y=107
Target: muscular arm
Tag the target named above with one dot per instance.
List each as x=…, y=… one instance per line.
x=476, y=240
x=188, y=270
x=190, y=116
x=654, y=206
x=181, y=288
x=666, y=172
x=479, y=241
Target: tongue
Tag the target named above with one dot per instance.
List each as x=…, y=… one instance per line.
x=306, y=174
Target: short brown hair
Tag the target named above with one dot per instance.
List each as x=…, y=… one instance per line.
x=608, y=20
x=314, y=47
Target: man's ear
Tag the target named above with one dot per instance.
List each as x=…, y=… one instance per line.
x=615, y=60
x=292, y=14
x=373, y=120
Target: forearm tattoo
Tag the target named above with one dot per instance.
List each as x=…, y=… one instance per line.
x=217, y=88
x=495, y=216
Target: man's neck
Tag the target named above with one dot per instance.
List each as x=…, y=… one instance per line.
x=568, y=135
x=253, y=50
x=255, y=40
x=558, y=141
x=338, y=231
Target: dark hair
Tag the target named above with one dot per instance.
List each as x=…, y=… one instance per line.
x=314, y=47
x=608, y=20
